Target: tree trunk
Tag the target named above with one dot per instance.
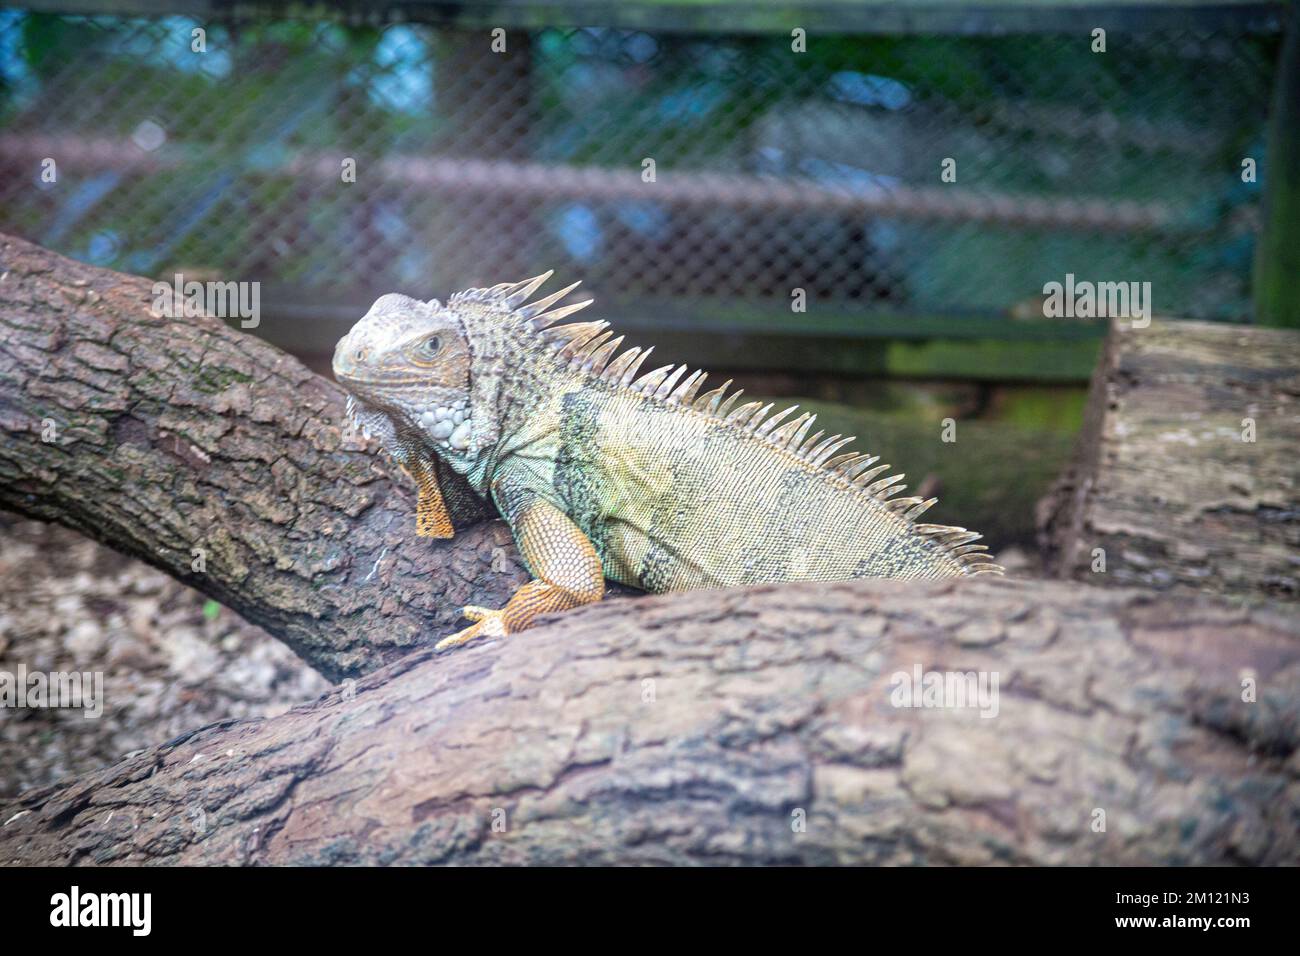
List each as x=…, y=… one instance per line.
x=748, y=726
x=1185, y=475
x=160, y=436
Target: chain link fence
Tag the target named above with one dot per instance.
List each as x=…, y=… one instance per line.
x=713, y=172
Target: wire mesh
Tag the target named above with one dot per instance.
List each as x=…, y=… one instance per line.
x=720, y=171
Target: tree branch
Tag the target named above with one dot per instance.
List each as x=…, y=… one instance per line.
x=175, y=434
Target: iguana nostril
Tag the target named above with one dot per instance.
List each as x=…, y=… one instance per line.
x=361, y=354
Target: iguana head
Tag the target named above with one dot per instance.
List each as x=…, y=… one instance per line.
x=406, y=365
x=428, y=373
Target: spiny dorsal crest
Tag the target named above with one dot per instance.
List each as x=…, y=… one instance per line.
x=589, y=347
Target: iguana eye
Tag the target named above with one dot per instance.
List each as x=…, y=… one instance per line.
x=431, y=345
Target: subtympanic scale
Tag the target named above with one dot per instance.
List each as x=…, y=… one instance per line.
x=448, y=425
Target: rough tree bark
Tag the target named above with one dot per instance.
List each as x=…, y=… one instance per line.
x=167, y=435
x=749, y=726
x=1186, y=472
x=738, y=726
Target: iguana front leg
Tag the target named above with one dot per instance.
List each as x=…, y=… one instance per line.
x=564, y=563
x=431, y=517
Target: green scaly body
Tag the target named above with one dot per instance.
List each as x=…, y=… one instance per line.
x=603, y=470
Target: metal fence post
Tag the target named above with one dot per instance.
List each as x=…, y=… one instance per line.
x=1277, y=257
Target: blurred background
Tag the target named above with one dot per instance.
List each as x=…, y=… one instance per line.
x=797, y=152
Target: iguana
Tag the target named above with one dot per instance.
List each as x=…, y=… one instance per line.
x=602, y=471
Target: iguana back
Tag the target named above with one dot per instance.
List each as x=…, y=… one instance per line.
x=674, y=496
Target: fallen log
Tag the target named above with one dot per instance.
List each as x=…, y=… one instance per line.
x=1185, y=475
x=749, y=726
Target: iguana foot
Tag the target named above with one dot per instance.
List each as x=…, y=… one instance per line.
x=487, y=623
x=566, y=564
x=534, y=598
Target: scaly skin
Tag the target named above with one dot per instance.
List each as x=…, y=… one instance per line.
x=602, y=473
